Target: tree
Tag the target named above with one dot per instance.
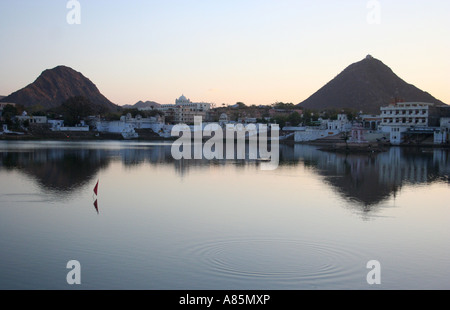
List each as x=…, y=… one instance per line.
x=280, y=120
x=294, y=118
x=346, y=136
x=75, y=109
x=283, y=106
x=9, y=112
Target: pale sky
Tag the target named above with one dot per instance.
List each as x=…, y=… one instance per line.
x=254, y=51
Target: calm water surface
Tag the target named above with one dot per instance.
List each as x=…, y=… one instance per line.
x=313, y=223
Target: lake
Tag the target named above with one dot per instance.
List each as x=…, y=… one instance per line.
x=313, y=223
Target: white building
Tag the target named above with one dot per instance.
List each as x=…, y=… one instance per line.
x=401, y=117
x=58, y=125
x=341, y=124
x=184, y=111
x=128, y=124
x=328, y=128
x=311, y=134
x=442, y=135
x=406, y=114
x=32, y=119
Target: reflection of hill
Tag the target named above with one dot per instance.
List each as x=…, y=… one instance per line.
x=371, y=179
x=365, y=179
x=57, y=169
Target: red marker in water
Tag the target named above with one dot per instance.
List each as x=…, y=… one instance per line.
x=96, y=188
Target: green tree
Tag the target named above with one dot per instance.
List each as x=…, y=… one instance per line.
x=9, y=112
x=75, y=109
x=294, y=118
x=281, y=120
x=284, y=106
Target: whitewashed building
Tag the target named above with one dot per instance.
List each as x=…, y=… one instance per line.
x=311, y=134
x=58, y=125
x=184, y=110
x=406, y=114
x=342, y=123
x=401, y=117
x=32, y=119
x=127, y=125
x=328, y=128
x=442, y=135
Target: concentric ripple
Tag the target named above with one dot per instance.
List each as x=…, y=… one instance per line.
x=278, y=260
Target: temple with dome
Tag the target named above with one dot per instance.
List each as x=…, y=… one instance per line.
x=184, y=110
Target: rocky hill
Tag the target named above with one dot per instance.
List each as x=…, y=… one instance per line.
x=54, y=86
x=365, y=86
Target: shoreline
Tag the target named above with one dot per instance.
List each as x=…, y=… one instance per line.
x=328, y=145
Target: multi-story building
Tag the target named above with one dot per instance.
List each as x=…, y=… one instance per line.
x=401, y=117
x=407, y=114
x=184, y=111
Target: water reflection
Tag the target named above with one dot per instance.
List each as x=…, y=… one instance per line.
x=366, y=180
x=60, y=170
x=96, y=205
x=370, y=179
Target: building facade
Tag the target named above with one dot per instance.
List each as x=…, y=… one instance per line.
x=32, y=119
x=184, y=110
x=408, y=114
x=442, y=135
x=402, y=117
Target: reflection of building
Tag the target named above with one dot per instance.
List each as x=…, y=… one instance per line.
x=367, y=180
x=183, y=111
x=371, y=179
